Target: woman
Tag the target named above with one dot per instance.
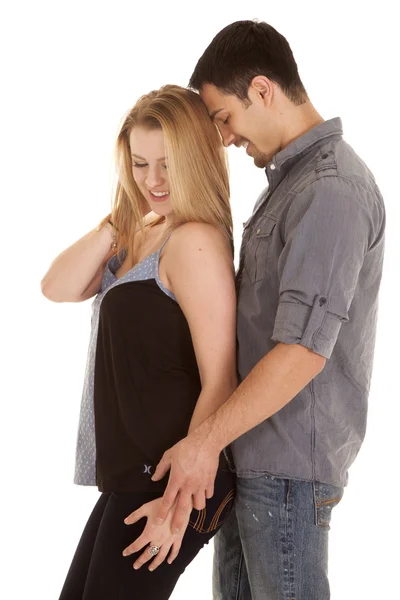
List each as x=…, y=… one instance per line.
x=162, y=348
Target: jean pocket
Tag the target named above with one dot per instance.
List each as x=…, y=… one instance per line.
x=213, y=516
x=256, y=262
x=326, y=497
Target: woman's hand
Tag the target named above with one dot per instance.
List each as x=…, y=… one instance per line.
x=162, y=536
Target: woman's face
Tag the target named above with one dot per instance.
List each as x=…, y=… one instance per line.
x=149, y=168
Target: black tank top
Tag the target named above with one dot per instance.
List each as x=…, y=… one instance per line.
x=146, y=383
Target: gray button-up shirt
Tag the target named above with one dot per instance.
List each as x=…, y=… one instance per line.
x=309, y=274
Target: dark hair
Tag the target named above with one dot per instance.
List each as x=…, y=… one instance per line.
x=240, y=52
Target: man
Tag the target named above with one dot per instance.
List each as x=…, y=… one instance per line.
x=308, y=281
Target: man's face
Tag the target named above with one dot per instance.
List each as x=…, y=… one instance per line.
x=250, y=127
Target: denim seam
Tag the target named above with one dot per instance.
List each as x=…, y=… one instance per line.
x=239, y=574
x=289, y=546
x=315, y=503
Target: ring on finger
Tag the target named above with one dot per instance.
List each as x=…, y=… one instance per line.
x=153, y=550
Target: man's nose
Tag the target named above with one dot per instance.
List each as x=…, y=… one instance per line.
x=228, y=139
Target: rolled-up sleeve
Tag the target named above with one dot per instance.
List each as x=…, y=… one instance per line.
x=328, y=231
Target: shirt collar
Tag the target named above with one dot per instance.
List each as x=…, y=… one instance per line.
x=284, y=160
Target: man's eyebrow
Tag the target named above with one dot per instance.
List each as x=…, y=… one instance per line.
x=141, y=157
x=214, y=113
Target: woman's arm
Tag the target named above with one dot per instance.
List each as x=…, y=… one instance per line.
x=199, y=269
x=200, y=272
x=76, y=274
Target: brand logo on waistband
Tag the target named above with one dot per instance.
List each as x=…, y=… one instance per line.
x=147, y=469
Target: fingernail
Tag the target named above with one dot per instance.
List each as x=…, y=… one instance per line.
x=151, y=568
x=136, y=567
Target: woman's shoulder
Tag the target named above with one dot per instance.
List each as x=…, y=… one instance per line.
x=195, y=248
x=190, y=235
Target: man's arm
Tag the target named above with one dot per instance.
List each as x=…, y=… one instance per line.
x=271, y=384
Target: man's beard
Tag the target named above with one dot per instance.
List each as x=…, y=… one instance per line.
x=261, y=160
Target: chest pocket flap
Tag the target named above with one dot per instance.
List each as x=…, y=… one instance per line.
x=257, y=254
x=265, y=227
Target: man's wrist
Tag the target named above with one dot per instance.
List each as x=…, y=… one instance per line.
x=207, y=432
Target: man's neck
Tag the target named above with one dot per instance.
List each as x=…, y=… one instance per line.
x=297, y=120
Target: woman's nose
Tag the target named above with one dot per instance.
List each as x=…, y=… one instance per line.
x=154, y=178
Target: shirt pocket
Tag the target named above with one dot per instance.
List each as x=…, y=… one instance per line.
x=256, y=263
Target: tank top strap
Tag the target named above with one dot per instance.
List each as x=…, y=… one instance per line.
x=166, y=240
x=157, y=267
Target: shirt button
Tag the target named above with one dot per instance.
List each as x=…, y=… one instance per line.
x=272, y=167
x=323, y=301
x=258, y=230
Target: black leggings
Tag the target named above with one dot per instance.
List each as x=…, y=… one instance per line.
x=100, y=572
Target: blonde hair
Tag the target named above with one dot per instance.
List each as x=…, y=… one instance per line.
x=196, y=158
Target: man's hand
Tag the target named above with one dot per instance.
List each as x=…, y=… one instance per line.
x=193, y=463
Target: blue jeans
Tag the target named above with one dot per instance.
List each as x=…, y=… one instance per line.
x=274, y=544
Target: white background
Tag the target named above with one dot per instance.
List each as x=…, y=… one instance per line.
x=70, y=71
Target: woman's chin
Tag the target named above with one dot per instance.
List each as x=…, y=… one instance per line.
x=162, y=210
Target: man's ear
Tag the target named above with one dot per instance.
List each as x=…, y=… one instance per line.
x=261, y=88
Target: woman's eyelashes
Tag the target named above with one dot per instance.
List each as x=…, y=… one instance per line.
x=139, y=166
x=226, y=121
